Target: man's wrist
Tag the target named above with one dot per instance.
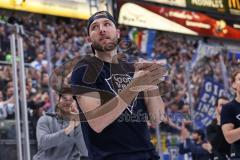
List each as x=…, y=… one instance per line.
x=132, y=88
x=128, y=94
x=153, y=92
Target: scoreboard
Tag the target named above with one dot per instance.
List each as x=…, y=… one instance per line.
x=218, y=6
x=179, y=3
x=234, y=7
x=66, y=8
x=227, y=7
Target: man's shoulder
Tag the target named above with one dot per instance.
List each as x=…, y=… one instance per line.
x=230, y=106
x=87, y=69
x=228, y=113
x=47, y=117
x=89, y=61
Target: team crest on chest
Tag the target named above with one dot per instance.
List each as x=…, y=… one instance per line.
x=118, y=82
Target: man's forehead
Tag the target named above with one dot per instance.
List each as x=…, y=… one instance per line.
x=100, y=20
x=66, y=95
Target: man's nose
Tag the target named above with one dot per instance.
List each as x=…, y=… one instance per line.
x=102, y=28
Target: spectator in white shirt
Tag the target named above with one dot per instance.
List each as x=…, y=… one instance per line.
x=40, y=64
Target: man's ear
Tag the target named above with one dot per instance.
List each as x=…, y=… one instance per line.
x=89, y=39
x=234, y=86
x=118, y=33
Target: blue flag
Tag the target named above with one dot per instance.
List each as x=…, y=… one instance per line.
x=204, y=111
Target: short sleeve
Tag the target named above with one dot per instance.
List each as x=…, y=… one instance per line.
x=227, y=115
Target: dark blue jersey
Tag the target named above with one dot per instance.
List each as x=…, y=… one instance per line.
x=128, y=136
x=231, y=114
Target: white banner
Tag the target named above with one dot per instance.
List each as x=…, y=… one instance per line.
x=180, y=3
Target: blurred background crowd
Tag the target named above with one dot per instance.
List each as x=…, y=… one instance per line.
x=68, y=39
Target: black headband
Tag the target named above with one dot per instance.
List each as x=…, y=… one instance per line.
x=100, y=14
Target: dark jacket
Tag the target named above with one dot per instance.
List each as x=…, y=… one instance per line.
x=215, y=136
x=53, y=143
x=198, y=153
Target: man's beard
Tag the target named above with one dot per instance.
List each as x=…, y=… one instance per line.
x=106, y=47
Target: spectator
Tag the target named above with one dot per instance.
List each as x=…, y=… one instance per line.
x=40, y=64
x=44, y=82
x=59, y=134
x=220, y=147
x=4, y=41
x=3, y=111
x=194, y=146
x=7, y=109
x=230, y=118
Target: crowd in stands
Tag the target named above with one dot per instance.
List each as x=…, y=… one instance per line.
x=68, y=39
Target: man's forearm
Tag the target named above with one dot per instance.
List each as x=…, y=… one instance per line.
x=100, y=116
x=155, y=105
x=105, y=114
x=233, y=135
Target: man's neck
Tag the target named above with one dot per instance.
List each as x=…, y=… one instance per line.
x=110, y=56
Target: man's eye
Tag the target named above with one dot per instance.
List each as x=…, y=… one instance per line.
x=107, y=24
x=94, y=27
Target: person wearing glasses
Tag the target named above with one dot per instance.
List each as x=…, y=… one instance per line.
x=59, y=134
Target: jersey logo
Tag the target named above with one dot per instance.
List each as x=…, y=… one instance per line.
x=118, y=82
x=238, y=117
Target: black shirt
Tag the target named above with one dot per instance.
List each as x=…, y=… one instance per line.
x=128, y=136
x=215, y=136
x=231, y=114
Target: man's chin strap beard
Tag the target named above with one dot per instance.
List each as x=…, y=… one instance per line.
x=106, y=48
x=97, y=48
x=110, y=47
